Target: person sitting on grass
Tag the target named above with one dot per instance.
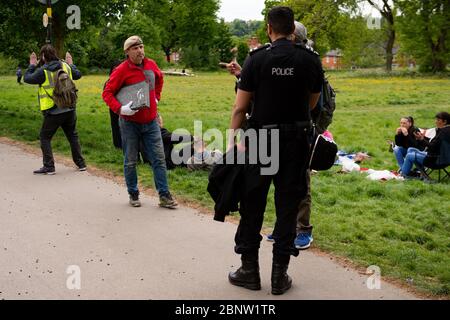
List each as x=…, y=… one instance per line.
x=428, y=157
x=169, y=141
x=405, y=138
x=202, y=158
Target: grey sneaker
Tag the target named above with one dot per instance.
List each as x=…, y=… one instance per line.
x=134, y=200
x=167, y=201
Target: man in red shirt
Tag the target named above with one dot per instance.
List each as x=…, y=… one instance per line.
x=133, y=91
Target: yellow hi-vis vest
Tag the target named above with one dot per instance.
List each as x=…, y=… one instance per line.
x=46, y=89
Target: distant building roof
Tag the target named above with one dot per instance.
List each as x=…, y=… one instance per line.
x=334, y=53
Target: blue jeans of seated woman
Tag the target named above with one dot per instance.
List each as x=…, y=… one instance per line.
x=413, y=156
x=400, y=154
x=150, y=135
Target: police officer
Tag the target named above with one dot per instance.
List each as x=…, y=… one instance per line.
x=284, y=80
x=54, y=116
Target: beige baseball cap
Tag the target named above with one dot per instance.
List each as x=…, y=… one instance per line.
x=132, y=41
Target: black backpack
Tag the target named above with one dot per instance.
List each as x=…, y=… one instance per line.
x=322, y=114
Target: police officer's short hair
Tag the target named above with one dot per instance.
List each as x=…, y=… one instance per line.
x=281, y=19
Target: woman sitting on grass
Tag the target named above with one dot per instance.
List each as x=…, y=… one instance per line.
x=428, y=157
x=405, y=138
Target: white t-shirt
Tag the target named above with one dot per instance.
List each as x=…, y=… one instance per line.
x=430, y=133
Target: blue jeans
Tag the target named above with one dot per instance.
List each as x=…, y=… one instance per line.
x=400, y=154
x=413, y=156
x=150, y=135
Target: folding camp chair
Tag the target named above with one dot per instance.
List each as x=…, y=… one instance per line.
x=441, y=164
x=426, y=171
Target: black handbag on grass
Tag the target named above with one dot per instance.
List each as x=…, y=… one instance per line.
x=323, y=153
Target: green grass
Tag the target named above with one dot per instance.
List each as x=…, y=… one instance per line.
x=403, y=227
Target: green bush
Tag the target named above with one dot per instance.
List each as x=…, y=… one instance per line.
x=242, y=51
x=158, y=56
x=191, y=57
x=8, y=65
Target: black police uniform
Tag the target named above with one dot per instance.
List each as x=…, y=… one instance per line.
x=282, y=76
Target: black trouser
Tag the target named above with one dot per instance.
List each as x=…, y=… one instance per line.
x=290, y=188
x=67, y=121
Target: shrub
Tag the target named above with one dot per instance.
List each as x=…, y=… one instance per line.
x=8, y=65
x=191, y=57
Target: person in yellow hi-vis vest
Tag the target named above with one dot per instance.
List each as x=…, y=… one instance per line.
x=54, y=117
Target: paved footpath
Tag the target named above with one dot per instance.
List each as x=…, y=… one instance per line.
x=49, y=223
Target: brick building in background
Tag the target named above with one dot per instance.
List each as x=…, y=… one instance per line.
x=332, y=60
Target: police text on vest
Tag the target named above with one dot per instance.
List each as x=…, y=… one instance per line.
x=283, y=72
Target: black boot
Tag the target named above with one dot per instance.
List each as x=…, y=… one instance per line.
x=247, y=275
x=281, y=282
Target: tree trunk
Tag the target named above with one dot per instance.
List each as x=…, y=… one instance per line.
x=387, y=12
x=438, y=52
x=438, y=49
x=167, y=53
x=437, y=63
x=58, y=33
x=389, y=48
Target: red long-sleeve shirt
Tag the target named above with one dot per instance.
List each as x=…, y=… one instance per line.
x=127, y=73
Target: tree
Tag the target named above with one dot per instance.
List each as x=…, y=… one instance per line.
x=162, y=14
x=188, y=26
x=135, y=22
x=242, y=51
x=254, y=26
x=21, y=22
x=163, y=24
x=269, y=4
x=362, y=47
x=238, y=28
x=387, y=11
x=184, y=24
x=241, y=28
x=196, y=25
x=424, y=27
x=13, y=29
x=224, y=42
x=262, y=31
x=321, y=18
x=191, y=57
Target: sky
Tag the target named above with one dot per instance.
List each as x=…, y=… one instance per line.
x=251, y=10
x=241, y=9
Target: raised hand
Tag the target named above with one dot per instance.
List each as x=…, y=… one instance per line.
x=33, y=58
x=234, y=68
x=69, y=59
